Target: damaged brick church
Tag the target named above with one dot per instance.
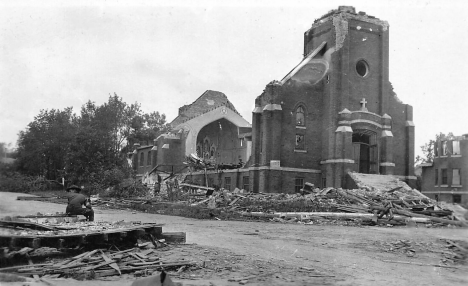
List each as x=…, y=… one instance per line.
x=334, y=113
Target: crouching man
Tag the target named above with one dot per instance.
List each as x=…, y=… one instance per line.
x=76, y=201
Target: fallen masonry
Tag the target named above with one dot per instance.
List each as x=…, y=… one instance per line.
x=376, y=199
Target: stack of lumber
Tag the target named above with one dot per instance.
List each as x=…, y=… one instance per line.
x=16, y=234
x=100, y=263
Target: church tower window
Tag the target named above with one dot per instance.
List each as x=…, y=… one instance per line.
x=362, y=68
x=300, y=142
x=300, y=116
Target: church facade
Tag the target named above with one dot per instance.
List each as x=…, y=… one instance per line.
x=334, y=113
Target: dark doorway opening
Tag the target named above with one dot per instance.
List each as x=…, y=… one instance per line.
x=365, y=152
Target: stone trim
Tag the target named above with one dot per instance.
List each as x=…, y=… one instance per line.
x=368, y=112
x=344, y=122
x=445, y=192
x=334, y=161
x=286, y=169
x=154, y=148
x=165, y=146
x=300, y=127
x=387, y=164
x=272, y=106
x=386, y=133
x=300, y=151
x=409, y=123
x=344, y=129
x=257, y=109
x=366, y=121
x=406, y=177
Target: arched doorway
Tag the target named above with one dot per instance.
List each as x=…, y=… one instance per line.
x=365, y=151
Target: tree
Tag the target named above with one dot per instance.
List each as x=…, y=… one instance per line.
x=428, y=149
x=43, y=146
x=89, y=148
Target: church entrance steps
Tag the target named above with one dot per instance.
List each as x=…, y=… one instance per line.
x=381, y=184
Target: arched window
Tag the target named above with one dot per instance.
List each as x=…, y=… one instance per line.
x=206, y=149
x=300, y=116
x=212, y=151
x=142, y=159
x=148, y=159
x=199, y=150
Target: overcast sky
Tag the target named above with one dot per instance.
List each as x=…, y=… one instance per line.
x=166, y=54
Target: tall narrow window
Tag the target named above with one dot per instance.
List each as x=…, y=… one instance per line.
x=300, y=144
x=300, y=116
x=444, y=148
x=456, y=179
x=455, y=147
x=436, y=149
x=245, y=183
x=148, y=159
x=227, y=183
x=142, y=159
x=298, y=184
x=444, y=177
x=436, y=176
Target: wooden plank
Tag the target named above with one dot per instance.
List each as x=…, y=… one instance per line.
x=178, y=237
x=24, y=224
x=464, y=250
x=35, y=243
x=112, y=262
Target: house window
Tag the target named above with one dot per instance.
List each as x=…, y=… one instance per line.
x=298, y=184
x=456, y=198
x=227, y=183
x=300, y=116
x=148, y=159
x=444, y=148
x=436, y=176
x=245, y=183
x=324, y=182
x=300, y=145
x=142, y=159
x=436, y=149
x=436, y=197
x=444, y=177
x=241, y=142
x=456, y=180
x=456, y=147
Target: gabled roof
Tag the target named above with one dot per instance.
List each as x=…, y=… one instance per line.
x=209, y=100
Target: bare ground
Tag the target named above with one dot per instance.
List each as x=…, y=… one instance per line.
x=286, y=254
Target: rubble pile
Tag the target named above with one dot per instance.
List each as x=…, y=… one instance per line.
x=47, y=228
x=401, y=205
x=101, y=263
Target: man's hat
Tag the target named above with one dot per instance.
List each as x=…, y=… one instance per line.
x=73, y=187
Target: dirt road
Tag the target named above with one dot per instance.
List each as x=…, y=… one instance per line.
x=345, y=255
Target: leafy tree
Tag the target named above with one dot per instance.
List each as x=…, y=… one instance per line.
x=428, y=149
x=43, y=146
x=89, y=148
